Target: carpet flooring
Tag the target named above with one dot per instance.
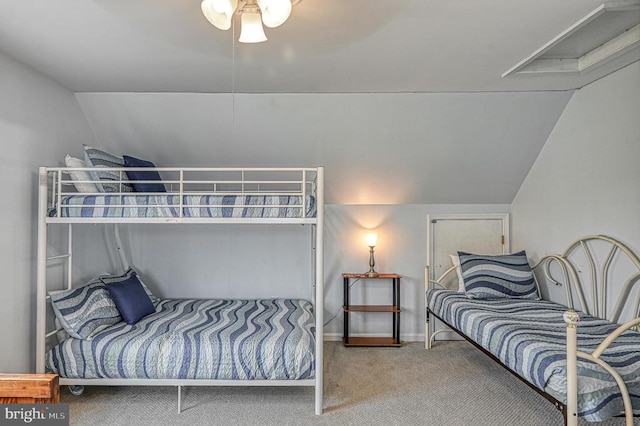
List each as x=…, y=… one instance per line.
x=453, y=384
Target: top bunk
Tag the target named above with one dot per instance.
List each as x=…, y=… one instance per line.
x=181, y=195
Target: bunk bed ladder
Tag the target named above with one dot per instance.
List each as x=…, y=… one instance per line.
x=41, y=270
x=43, y=262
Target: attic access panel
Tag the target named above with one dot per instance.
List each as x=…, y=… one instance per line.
x=609, y=31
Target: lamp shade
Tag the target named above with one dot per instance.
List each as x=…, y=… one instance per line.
x=372, y=239
x=219, y=12
x=274, y=12
x=252, y=31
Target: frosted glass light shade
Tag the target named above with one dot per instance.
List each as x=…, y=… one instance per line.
x=219, y=12
x=252, y=31
x=275, y=12
x=372, y=239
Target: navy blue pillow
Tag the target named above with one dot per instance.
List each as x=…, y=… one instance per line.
x=136, y=175
x=130, y=298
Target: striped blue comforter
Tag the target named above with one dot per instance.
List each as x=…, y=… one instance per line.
x=165, y=205
x=529, y=337
x=199, y=339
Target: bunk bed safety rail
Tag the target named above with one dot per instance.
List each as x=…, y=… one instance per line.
x=293, y=189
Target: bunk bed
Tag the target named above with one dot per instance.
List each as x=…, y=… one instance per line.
x=212, y=342
x=580, y=359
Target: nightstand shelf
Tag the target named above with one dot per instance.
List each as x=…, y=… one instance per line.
x=370, y=308
x=371, y=341
x=394, y=309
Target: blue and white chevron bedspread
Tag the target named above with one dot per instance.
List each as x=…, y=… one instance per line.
x=529, y=337
x=199, y=339
x=167, y=205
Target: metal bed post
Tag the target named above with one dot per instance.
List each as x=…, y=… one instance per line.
x=571, y=318
x=41, y=271
x=179, y=399
x=319, y=305
x=427, y=323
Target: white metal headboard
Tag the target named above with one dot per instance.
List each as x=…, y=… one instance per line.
x=598, y=280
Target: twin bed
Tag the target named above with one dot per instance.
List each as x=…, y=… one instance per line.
x=585, y=363
x=269, y=339
x=91, y=339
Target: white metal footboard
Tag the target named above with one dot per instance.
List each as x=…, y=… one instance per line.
x=599, y=284
x=572, y=319
x=430, y=324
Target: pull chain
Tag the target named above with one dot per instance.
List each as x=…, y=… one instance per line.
x=233, y=73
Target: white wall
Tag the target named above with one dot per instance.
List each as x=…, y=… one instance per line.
x=378, y=148
x=39, y=122
x=586, y=179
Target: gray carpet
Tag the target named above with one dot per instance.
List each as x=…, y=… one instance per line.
x=452, y=384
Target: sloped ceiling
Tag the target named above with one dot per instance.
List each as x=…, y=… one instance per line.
x=377, y=148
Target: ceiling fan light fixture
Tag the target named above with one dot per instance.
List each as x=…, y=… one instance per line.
x=275, y=12
x=253, y=13
x=219, y=12
x=252, y=31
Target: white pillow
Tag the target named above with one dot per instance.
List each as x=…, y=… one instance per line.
x=79, y=175
x=456, y=262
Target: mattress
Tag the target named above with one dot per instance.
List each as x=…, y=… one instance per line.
x=529, y=337
x=164, y=205
x=198, y=339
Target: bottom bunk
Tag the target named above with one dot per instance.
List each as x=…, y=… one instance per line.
x=528, y=337
x=213, y=339
x=114, y=331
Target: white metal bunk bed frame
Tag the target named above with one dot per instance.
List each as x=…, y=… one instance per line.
x=54, y=185
x=599, y=284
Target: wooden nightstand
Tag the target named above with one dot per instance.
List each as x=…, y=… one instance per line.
x=394, y=309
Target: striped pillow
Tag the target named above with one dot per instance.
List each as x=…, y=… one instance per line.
x=85, y=311
x=97, y=158
x=498, y=277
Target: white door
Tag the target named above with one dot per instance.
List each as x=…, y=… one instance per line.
x=448, y=234
x=478, y=234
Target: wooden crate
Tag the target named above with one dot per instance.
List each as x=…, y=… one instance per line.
x=29, y=389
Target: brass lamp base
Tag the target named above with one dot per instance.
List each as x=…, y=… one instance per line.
x=372, y=263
